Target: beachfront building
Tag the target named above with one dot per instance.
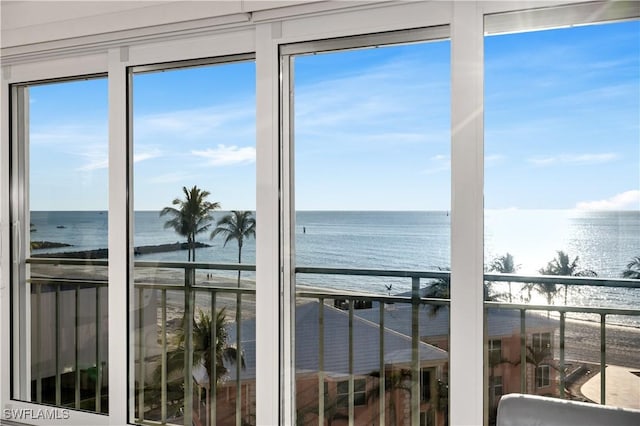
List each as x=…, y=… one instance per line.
x=322, y=383
x=504, y=343
x=383, y=147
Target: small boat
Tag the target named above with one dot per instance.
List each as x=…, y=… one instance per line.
x=60, y=226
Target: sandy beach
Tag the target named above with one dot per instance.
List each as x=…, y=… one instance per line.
x=582, y=343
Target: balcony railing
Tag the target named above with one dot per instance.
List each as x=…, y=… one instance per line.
x=562, y=311
x=192, y=286
x=193, y=291
x=45, y=287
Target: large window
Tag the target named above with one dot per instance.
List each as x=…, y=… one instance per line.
x=562, y=202
x=59, y=208
x=194, y=228
x=376, y=144
x=371, y=230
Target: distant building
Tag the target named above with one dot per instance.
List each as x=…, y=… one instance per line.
x=503, y=345
x=335, y=372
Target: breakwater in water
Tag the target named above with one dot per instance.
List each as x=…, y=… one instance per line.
x=103, y=253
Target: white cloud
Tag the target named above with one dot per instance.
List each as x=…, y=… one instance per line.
x=438, y=163
x=95, y=163
x=374, y=100
x=146, y=155
x=171, y=177
x=573, y=159
x=97, y=157
x=67, y=136
x=493, y=158
x=227, y=155
x=194, y=123
x=629, y=200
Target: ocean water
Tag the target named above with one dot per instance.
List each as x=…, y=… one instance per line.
x=604, y=241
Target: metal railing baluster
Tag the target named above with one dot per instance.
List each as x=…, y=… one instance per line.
x=38, y=353
x=189, y=301
x=76, y=352
x=415, y=350
x=562, y=368
x=98, y=356
x=57, y=344
x=213, y=382
x=603, y=359
x=239, y=360
x=321, y=361
x=163, y=358
x=523, y=351
x=141, y=355
x=382, y=384
x=351, y=379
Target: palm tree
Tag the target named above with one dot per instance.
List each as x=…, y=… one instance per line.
x=237, y=225
x=504, y=265
x=562, y=266
x=204, y=350
x=440, y=288
x=190, y=216
x=633, y=269
x=537, y=356
x=395, y=381
x=549, y=290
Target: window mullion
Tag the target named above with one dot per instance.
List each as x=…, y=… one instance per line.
x=119, y=171
x=268, y=348
x=466, y=356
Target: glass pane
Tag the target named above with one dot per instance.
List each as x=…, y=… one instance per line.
x=562, y=210
x=194, y=244
x=61, y=199
x=372, y=233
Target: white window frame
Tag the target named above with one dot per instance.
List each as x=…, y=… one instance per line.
x=287, y=54
x=543, y=376
x=495, y=349
x=22, y=74
x=263, y=32
x=538, y=340
x=345, y=401
x=179, y=53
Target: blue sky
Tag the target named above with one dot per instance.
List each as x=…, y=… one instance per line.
x=372, y=128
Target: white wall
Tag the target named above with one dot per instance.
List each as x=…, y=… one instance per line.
x=28, y=22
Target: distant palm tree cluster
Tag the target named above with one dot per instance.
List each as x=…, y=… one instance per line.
x=193, y=215
x=561, y=265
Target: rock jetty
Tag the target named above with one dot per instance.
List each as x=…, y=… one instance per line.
x=103, y=253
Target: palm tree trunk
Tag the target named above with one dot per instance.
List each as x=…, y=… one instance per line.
x=239, y=261
x=566, y=289
x=193, y=247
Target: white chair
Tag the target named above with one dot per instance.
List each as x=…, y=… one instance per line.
x=531, y=410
